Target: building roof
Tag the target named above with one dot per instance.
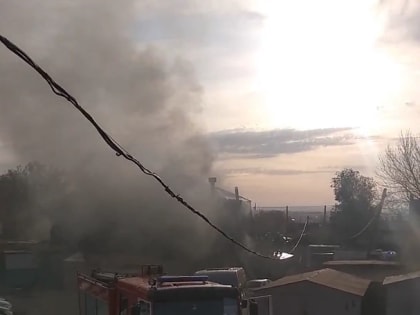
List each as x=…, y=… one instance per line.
x=77, y=257
x=16, y=251
x=361, y=263
x=400, y=278
x=229, y=195
x=326, y=277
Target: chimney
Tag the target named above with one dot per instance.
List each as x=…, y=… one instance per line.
x=212, y=181
x=236, y=193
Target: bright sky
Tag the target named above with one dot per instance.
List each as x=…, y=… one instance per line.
x=304, y=65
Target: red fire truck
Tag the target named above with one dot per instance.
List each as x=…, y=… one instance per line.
x=151, y=293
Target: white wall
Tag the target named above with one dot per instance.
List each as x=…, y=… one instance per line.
x=19, y=261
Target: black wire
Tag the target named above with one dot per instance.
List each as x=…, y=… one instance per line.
x=120, y=151
x=300, y=237
x=374, y=218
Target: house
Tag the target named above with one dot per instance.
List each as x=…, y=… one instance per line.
x=320, y=292
x=401, y=294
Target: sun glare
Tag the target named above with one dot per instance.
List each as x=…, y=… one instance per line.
x=319, y=65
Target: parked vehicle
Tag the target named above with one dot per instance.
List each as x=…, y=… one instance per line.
x=151, y=293
x=234, y=276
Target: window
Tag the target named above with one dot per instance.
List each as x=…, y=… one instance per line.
x=123, y=305
x=144, y=308
x=226, y=306
x=141, y=308
x=101, y=308
x=89, y=305
x=230, y=306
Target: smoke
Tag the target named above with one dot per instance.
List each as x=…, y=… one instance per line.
x=146, y=99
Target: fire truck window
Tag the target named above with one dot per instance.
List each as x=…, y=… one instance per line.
x=123, y=306
x=90, y=305
x=82, y=303
x=142, y=308
x=102, y=308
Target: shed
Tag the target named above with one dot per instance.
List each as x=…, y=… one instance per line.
x=375, y=270
x=402, y=294
x=19, y=268
x=319, y=292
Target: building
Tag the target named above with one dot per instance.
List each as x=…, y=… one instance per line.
x=401, y=294
x=315, y=255
x=320, y=292
x=375, y=270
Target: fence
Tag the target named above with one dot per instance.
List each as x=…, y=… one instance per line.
x=300, y=213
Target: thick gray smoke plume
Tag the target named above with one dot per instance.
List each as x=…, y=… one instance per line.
x=145, y=99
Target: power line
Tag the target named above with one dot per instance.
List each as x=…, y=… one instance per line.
x=119, y=150
x=301, y=236
x=375, y=217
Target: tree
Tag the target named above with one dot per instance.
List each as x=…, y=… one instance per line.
x=355, y=196
x=399, y=167
x=29, y=197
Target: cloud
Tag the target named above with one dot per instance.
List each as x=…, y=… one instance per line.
x=335, y=168
x=218, y=42
x=328, y=169
x=402, y=20
x=198, y=28
x=273, y=172
x=263, y=144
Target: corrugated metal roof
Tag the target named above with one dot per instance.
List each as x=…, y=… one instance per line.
x=361, y=263
x=77, y=257
x=400, y=278
x=326, y=277
x=17, y=251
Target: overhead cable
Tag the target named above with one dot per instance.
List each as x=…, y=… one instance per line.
x=301, y=236
x=376, y=215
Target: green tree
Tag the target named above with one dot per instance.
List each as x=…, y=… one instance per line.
x=29, y=198
x=355, y=196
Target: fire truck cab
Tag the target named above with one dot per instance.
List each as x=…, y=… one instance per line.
x=151, y=293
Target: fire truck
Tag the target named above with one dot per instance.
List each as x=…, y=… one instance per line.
x=152, y=293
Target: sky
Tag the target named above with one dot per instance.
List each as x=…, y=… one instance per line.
x=293, y=91
x=297, y=90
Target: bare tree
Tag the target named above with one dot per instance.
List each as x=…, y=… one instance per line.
x=399, y=167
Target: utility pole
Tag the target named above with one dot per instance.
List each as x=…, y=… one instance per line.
x=376, y=223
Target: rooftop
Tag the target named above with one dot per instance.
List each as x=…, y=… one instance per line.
x=77, y=257
x=326, y=277
x=400, y=278
x=361, y=263
x=142, y=283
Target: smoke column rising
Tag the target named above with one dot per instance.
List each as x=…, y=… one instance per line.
x=147, y=100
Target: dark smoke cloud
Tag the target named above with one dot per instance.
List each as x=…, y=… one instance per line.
x=146, y=99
